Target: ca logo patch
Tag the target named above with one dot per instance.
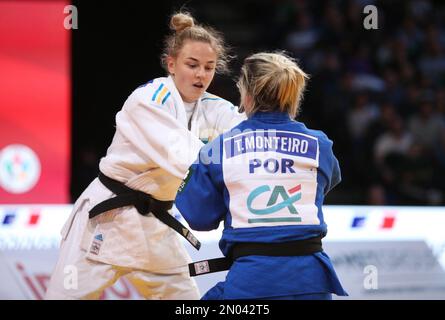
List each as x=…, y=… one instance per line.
x=289, y=197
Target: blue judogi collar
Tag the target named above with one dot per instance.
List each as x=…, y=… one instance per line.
x=271, y=117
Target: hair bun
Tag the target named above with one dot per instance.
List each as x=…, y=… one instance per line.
x=181, y=21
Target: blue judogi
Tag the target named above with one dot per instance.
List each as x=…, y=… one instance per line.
x=266, y=179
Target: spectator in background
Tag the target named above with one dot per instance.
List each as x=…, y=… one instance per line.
x=376, y=195
x=396, y=140
x=427, y=127
x=432, y=60
x=390, y=152
x=362, y=114
x=304, y=35
x=416, y=182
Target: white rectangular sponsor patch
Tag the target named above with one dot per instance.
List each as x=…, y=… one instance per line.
x=202, y=267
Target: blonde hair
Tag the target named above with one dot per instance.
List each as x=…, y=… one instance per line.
x=184, y=28
x=274, y=81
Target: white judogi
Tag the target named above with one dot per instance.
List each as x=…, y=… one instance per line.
x=151, y=151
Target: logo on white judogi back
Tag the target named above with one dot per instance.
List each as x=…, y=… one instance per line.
x=271, y=177
x=288, y=197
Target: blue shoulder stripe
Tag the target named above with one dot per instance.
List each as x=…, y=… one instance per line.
x=211, y=99
x=157, y=91
x=166, y=97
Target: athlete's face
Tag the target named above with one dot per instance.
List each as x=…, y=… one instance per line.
x=193, y=69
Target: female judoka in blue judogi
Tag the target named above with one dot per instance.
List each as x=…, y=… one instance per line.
x=266, y=179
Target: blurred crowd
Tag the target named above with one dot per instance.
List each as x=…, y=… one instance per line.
x=379, y=94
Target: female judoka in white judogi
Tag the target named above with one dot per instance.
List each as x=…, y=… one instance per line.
x=158, y=135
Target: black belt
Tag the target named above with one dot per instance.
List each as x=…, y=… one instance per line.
x=293, y=248
x=144, y=203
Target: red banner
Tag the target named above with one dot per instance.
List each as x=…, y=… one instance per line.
x=35, y=89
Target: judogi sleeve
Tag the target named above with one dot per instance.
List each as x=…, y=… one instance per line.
x=336, y=173
x=335, y=177
x=200, y=197
x=156, y=134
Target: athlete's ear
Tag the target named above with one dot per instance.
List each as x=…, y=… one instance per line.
x=171, y=65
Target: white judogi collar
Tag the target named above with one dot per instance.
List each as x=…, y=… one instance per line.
x=179, y=104
x=180, y=108
x=190, y=108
